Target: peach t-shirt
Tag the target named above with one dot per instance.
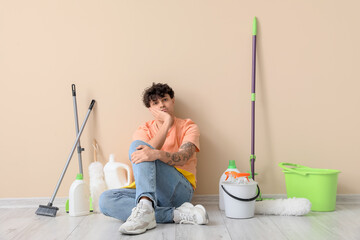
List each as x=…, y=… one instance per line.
x=182, y=131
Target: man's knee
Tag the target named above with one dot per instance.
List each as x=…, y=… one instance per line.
x=135, y=144
x=104, y=201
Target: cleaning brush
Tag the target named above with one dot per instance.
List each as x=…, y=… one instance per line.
x=97, y=182
x=47, y=210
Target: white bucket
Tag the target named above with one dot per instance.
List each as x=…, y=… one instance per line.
x=240, y=199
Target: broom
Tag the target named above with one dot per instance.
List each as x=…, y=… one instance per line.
x=49, y=209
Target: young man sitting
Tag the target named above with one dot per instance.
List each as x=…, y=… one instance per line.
x=163, y=156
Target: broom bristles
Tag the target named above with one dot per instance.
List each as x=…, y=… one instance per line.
x=47, y=210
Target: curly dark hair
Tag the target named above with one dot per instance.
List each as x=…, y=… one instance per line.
x=157, y=90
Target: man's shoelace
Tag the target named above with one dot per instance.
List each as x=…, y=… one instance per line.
x=186, y=218
x=136, y=211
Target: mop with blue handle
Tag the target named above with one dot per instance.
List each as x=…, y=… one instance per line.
x=284, y=207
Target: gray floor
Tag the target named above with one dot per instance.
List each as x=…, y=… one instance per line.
x=344, y=223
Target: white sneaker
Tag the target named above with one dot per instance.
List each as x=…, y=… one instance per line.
x=141, y=219
x=187, y=213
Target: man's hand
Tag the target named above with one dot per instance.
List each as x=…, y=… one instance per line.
x=143, y=154
x=162, y=116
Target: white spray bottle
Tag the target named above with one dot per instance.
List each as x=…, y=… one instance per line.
x=231, y=167
x=79, y=194
x=117, y=174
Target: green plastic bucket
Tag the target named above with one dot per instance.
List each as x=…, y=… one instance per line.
x=317, y=185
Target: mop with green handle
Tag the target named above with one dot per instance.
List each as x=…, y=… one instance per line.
x=290, y=206
x=253, y=96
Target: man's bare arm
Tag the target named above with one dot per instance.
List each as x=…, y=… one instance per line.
x=158, y=141
x=178, y=158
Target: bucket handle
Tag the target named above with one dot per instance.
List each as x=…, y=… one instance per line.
x=282, y=165
x=243, y=199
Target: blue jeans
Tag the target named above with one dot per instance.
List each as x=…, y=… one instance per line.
x=163, y=184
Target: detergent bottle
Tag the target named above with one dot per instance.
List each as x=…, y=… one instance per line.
x=117, y=174
x=79, y=195
x=231, y=167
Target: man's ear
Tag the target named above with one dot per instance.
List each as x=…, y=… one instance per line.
x=173, y=99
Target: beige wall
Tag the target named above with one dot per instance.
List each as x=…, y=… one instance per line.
x=307, y=84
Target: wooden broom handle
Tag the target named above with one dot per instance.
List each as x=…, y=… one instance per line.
x=95, y=146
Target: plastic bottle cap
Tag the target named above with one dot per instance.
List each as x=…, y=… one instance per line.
x=232, y=164
x=79, y=176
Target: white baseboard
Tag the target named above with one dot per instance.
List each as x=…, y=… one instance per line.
x=214, y=199
x=30, y=202
x=197, y=199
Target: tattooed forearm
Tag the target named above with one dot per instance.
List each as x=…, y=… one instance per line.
x=176, y=157
x=182, y=156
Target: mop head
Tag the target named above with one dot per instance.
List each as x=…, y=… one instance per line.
x=283, y=207
x=97, y=183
